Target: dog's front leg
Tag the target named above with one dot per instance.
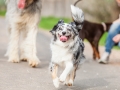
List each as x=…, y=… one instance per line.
x=54, y=70
x=22, y=52
x=72, y=76
x=29, y=47
x=67, y=80
x=66, y=72
x=12, y=51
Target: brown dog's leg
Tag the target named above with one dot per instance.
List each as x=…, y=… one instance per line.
x=95, y=56
x=96, y=52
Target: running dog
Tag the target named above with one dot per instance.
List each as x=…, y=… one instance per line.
x=23, y=17
x=67, y=48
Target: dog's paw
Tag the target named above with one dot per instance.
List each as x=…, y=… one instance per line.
x=14, y=59
x=34, y=62
x=56, y=82
x=66, y=82
x=23, y=59
x=62, y=78
x=70, y=83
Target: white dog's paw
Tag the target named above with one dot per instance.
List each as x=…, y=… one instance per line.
x=14, y=59
x=66, y=82
x=62, y=78
x=56, y=82
x=23, y=58
x=34, y=62
x=70, y=83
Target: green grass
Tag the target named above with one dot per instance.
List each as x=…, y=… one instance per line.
x=2, y=13
x=103, y=39
x=48, y=22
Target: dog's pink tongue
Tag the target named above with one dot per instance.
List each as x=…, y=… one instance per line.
x=21, y=4
x=63, y=38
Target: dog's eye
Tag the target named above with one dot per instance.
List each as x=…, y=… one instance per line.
x=69, y=29
x=60, y=28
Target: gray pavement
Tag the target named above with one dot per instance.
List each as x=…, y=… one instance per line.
x=91, y=76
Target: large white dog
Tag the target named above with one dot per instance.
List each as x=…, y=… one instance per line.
x=23, y=17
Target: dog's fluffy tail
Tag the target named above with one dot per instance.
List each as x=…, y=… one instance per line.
x=78, y=16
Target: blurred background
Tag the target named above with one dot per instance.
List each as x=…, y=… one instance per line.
x=94, y=10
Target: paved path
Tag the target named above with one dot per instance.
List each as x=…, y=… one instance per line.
x=20, y=76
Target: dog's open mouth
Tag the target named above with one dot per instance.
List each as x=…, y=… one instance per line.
x=21, y=4
x=64, y=38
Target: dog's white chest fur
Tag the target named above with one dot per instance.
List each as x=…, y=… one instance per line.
x=60, y=55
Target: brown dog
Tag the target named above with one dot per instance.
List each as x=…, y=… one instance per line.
x=93, y=32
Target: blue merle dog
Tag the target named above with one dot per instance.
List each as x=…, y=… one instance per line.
x=67, y=48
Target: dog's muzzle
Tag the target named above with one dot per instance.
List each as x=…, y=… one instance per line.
x=63, y=38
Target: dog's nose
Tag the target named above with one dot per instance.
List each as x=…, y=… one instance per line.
x=63, y=33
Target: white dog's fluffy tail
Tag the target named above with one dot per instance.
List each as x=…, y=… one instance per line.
x=78, y=16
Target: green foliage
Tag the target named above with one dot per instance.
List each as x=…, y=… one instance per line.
x=49, y=22
x=2, y=2
x=103, y=39
x=2, y=8
x=2, y=13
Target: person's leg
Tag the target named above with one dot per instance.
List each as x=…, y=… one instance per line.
x=114, y=30
x=119, y=44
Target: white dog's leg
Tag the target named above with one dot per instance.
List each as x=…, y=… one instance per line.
x=29, y=47
x=66, y=72
x=22, y=52
x=12, y=51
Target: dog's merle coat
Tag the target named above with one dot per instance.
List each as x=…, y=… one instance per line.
x=77, y=53
x=67, y=48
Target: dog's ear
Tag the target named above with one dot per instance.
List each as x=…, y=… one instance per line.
x=73, y=26
x=78, y=17
x=56, y=26
x=53, y=30
x=60, y=21
x=75, y=31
